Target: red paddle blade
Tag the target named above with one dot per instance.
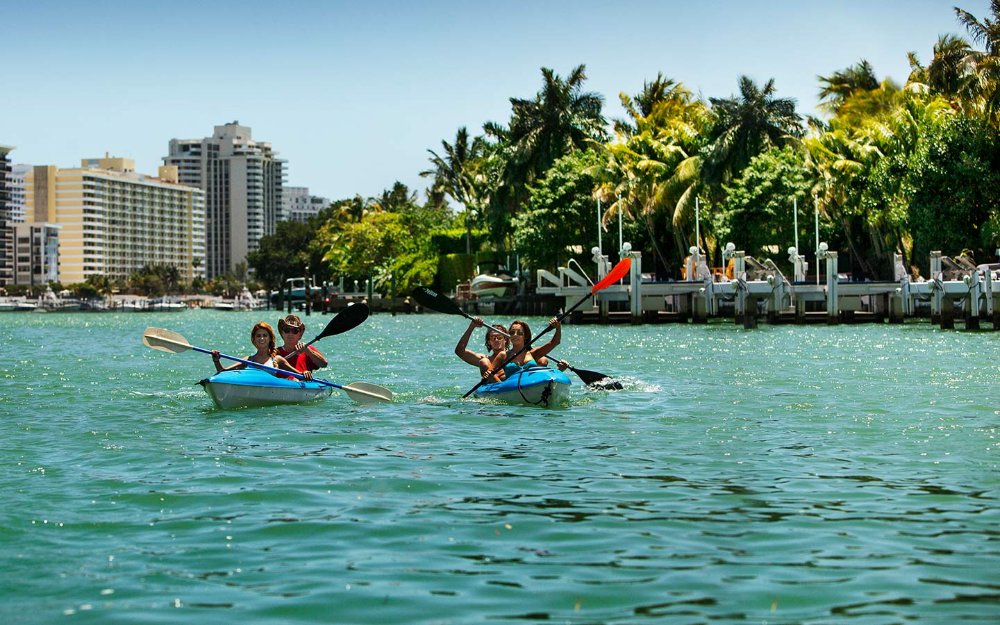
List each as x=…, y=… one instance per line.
x=616, y=274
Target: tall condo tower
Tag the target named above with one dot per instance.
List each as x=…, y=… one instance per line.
x=242, y=180
x=6, y=219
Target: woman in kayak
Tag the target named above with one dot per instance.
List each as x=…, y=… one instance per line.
x=262, y=337
x=496, y=344
x=294, y=350
x=520, y=335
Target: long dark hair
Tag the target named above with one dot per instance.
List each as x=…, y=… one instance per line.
x=524, y=326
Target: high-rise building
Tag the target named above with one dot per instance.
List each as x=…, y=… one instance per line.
x=113, y=221
x=36, y=261
x=6, y=219
x=298, y=205
x=243, y=183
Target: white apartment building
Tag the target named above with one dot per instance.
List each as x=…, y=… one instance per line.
x=113, y=221
x=243, y=184
x=298, y=205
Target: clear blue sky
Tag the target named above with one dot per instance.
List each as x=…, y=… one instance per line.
x=352, y=94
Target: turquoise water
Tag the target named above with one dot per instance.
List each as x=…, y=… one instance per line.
x=779, y=475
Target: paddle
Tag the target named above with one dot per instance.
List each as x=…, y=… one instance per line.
x=347, y=319
x=616, y=274
x=430, y=298
x=174, y=343
x=594, y=379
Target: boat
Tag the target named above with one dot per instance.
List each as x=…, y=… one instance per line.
x=489, y=285
x=64, y=302
x=534, y=386
x=7, y=304
x=244, y=388
x=166, y=304
x=243, y=301
x=295, y=290
x=24, y=305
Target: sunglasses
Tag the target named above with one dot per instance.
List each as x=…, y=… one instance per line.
x=291, y=330
x=516, y=333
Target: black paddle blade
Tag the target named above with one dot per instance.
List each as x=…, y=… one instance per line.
x=429, y=298
x=347, y=319
x=597, y=380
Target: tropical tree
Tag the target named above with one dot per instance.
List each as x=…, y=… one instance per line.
x=457, y=174
x=984, y=90
x=860, y=163
x=836, y=88
x=391, y=240
x=651, y=172
x=745, y=126
x=560, y=214
x=758, y=209
x=560, y=119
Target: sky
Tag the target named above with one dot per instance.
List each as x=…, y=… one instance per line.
x=353, y=94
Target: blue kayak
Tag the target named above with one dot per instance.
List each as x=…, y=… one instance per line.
x=244, y=388
x=533, y=386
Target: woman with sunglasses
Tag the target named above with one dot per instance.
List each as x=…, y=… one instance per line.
x=262, y=337
x=294, y=350
x=520, y=335
x=496, y=344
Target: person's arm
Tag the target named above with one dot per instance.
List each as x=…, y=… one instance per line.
x=540, y=352
x=216, y=359
x=286, y=366
x=462, y=347
x=495, y=366
x=316, y=358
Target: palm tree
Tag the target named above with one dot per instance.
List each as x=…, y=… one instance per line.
x=640, y=105
x=745, y=126
x=839, y=86
x=455, y=175
x=654, y=166
x=560, y=119
x=985, y=89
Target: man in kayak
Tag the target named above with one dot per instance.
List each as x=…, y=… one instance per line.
x=294, y=350
x=262, y=337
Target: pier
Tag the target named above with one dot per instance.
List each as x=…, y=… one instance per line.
x=957, y=292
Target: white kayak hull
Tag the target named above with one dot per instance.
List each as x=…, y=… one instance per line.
x=247, y=388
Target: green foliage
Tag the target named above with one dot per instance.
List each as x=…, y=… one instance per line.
x=954, y=176
x=452, y=240
x=155, y=280
x=561, y=212
x=287, y=253
x=391, y=242
x=452, y=269
x=757, y=212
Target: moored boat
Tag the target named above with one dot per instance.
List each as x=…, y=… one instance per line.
x=534, y=386
x=244, y=388
x=488, y=285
